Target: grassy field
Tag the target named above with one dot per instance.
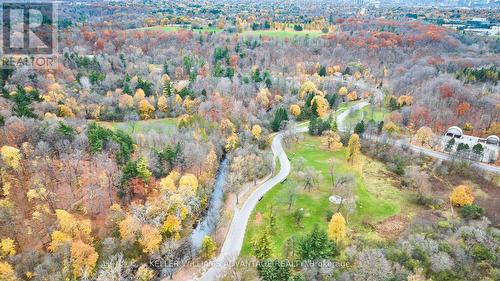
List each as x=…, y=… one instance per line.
x=283, y=33
x=269, y=33
x=161, y=126
x=170, y=28
x=377, y=114
x=377, y=197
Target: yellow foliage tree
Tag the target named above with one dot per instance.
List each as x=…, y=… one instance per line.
x=58, y=239
x=263, y=97
x=125, y=101
x=7, y=273
x=189, y=184
x=144, y=273
x=343, y=91
x=461, y=196
x=172, y=226
x=83, y=258
x=405, y=100
x=65, y=111
x=353, y=148
x=309, y=88
x=424, y=135
x=295, y=110
x=150, y=239
x=184, y=121
x=322, y=105
x=232, y=142
x=70, y=229
x=162, y=104
x=128, y=228
x=208, y=248
x=7, y=247
x=390, y=128
x=139, y=94
x=167, y=185
x=357, y=75
x=337, y=228
x=331, y=140
x=11, y=156
x=256, y=130
x=145, y=109
x=352, y=96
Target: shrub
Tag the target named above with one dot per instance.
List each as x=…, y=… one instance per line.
x=481, y=253
x=462, y=196
x=270, y=270
x=472, y=211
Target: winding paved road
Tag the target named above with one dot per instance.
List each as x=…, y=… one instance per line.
x=234, y=239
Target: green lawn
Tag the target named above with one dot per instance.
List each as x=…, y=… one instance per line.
x=377, y=114
x=161, y=126
x=170, y=28
x=283, y=33
x=377, y=196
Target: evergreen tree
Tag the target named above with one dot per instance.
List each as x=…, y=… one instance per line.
x=360, y=128
x=262, y=245
x=274, y=270
x=322, y=71
x=314, y=109
x=142, y=169
x=316, y=246
x=450, y=145
x=280, y=116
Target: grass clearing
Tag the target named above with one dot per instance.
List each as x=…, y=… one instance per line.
x=377, y=197
x=367, y=114
x=161, y=126
x=171, y=28
x=283, y=33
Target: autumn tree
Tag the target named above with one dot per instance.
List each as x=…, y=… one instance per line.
x=150, y=239
x=331, y=140
x=424, y=136
x=11, y=156
x=337, y=228
x=83, y=258
x=320, y=105
x=145, y=109
x=256, y=131
x=390, y=128
x=232, y=142
x=462, y=196
x=7, y=273
x=162, y=103
x=352, y=96
x=343, y=91
x=172, y=226
x=353, y=148
x=7, y=248
x=144, y=273
x=463, y=108
x=295, y=110
x=208, y=248
x=309, y=88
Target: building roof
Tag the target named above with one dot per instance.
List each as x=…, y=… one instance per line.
x=455, y=130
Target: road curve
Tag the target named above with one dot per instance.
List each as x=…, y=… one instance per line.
x=234, y=239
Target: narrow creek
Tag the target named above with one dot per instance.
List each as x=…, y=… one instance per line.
x=208, y=222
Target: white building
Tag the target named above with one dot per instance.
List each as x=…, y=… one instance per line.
x=490, y=145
